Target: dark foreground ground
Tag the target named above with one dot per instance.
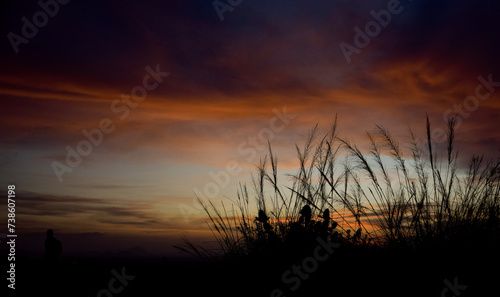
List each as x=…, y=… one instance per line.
x=451, y=271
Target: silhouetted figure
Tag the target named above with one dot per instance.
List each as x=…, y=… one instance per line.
x=51, y=268
x=53, y=248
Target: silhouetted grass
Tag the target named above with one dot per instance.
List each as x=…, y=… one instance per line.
x=387, y=197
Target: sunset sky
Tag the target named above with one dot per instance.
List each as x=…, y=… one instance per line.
x=184, y=91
